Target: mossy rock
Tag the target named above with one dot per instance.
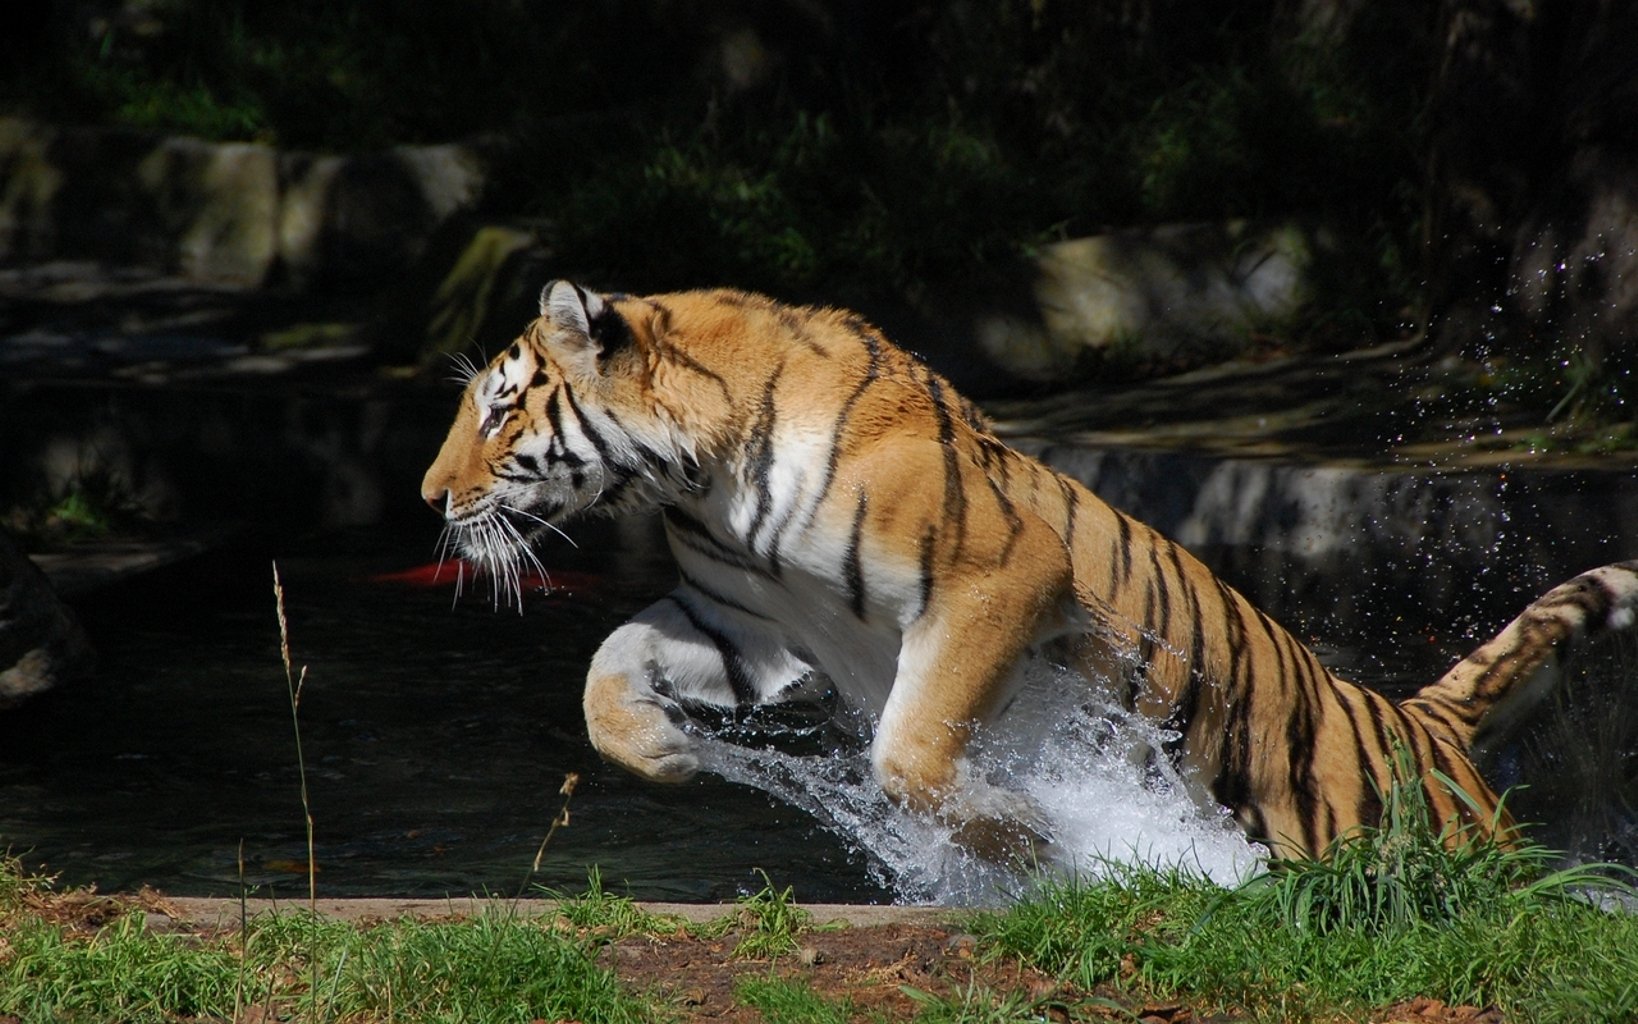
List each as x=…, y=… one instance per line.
x=474, y=290
x=1188, y=293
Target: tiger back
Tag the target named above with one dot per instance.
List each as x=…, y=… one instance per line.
x=842, y=519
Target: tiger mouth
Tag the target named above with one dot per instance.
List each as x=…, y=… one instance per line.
x=497, y=542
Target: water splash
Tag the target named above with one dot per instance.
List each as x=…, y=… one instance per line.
x=1080, y=764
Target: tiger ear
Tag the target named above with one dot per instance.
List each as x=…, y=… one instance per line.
x=566, y=304
x=587, y=325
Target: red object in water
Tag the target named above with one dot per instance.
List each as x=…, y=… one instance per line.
x=448, y=573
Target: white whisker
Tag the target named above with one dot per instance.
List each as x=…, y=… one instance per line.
x=465, y=368
x=524, y=549
x=550, y=526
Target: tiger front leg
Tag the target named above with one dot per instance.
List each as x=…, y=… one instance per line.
x=957, y=669
x=684, y=650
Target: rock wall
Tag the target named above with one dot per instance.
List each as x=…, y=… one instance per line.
x=1171, y=294
x=1447, y=555
x=229, y=213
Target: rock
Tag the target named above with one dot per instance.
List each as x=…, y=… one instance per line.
x=343, y=219
x=225, y=213
x=41, y=643
x=1152, y=295
x=215, y=206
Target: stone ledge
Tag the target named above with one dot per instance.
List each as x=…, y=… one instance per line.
x=211, y=912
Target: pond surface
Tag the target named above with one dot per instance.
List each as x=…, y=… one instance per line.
x=437, y=733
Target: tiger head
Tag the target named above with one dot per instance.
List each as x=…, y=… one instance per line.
x=556, y=425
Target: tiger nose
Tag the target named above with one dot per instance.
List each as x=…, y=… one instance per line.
x=437, y=499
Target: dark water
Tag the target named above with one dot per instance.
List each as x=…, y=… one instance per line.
x=436, y=736
x=437, y=733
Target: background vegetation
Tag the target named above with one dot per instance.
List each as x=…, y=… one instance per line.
x=859, y=147
x=1475, y=157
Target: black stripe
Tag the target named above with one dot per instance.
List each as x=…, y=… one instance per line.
x=669, y=351
x=1237, y=643
x=733, y=664
x=1015, y=523
x=955, y=497
x=554, y=412
x=1188, y=706
x=838, y=431
x=1233, y=786
x=718, y=597
x=1161, y=598
x=853, y=568
x=1301, y=732
x=759, y=454
x=929, y=538
x=797, y=328
x=1192, y=608
x=506, y=471
x=601, y=446
x=1122, y=555
x=1256, y=826
x=1138, y=675
x=858, y=325
x=683, y=529
x=1356, y=704
x=1072, y=508
x=1381, y=745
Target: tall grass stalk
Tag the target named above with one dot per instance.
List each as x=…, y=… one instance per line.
x=244, y=938
x=294, y=683
x=559, y=820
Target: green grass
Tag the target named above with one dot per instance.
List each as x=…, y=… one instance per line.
x=1280, y=948
x=88, y=509
x=1392, y=914
x=122, y=973
x=496, y=967
x=786, y=1001
x=607, y=913
x=974, y=1004
x=771, y=920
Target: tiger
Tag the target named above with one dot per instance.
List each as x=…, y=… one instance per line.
x=844, y=522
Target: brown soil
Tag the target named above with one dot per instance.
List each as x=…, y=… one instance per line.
x=877, y=970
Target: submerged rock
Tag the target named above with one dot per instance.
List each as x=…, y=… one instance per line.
x=41, y=642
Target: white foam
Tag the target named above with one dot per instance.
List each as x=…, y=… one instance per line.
x=1103, y=804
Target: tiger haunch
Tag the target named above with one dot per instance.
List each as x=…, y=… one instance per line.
x=842, y=519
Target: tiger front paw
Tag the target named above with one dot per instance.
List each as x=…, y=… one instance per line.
x=641, y=732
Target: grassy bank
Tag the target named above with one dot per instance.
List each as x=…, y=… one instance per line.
x=1397, y=928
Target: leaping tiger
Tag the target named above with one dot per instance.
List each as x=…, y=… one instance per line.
x=841, y=517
